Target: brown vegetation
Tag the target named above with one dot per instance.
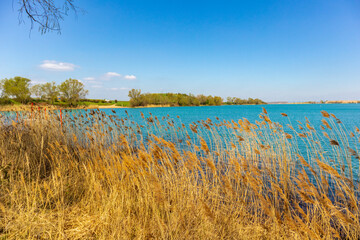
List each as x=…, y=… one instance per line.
x=93, y=176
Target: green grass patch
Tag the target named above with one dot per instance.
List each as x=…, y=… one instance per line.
x=123, y=103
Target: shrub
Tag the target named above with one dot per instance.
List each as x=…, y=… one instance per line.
x=5, y=101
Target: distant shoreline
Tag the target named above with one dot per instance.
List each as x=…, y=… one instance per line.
x=23, y=107
x=325, y=102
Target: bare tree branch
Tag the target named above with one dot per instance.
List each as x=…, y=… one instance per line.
x=47, y=14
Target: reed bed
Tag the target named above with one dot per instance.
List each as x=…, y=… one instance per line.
x=88, y=175
x=28, y=107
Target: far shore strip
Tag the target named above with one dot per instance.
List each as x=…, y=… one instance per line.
x=114, y=106
x=50, y=107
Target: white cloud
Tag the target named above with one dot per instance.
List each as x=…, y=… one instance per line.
x=130, y=77
x=57, y=66
x=112, y=74
x=91, y=80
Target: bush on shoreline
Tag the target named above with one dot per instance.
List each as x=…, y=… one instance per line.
x=5, y=101
x=239, y=101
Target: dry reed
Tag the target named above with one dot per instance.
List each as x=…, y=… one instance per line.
x=97, y=176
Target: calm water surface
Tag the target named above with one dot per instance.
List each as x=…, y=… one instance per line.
x=349, y=114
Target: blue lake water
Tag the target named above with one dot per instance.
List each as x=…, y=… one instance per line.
x=349, y=114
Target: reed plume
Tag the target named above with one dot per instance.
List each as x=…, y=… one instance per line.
x=99, y=176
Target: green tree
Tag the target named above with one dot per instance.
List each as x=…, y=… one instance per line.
x=51, y=92
x=210, y=100
x=231, y=100
x=36, y=90
x=17, y=87
x=72, y=91
x=134, y=93
x=135, y=97
x=183, y=100
x=202, y=99
x=218, y=100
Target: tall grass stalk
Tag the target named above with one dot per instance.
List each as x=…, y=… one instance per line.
x=99, y=176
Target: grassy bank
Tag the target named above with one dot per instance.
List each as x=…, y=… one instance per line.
x=60, y=105
x=92, y=176
x=13, y=105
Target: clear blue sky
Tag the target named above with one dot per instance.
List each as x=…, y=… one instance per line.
x=296, y=50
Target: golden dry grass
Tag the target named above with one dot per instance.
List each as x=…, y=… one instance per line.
x=29, y=107
x=100, y=177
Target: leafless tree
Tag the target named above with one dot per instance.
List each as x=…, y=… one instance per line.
x=47, y=14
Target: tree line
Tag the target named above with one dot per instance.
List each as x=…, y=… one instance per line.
x=18, y=88
x=239, y=101
x=180, y=99
x=71, y=91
